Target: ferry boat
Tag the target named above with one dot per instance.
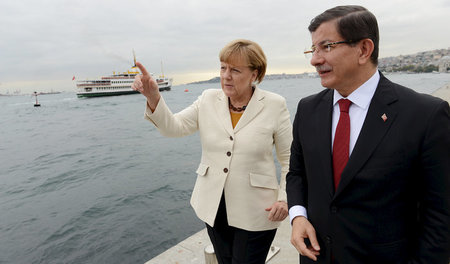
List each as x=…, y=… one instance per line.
x=117, y=84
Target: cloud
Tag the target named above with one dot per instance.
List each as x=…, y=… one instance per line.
x=54, y=40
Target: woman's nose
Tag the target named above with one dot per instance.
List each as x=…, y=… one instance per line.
x=227, y=74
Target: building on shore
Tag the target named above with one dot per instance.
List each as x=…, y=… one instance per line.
x=444, y=64
x=426, y=61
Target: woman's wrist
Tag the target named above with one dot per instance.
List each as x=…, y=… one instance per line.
x=153, y=100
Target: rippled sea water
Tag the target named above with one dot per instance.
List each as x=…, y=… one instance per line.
x=91, y=181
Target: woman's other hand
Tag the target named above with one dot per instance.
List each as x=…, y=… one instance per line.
x=146, y=85
x=278, y=211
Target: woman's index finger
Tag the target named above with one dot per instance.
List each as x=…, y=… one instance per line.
x=142, y=68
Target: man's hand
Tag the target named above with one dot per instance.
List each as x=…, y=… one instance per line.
x=301, y=229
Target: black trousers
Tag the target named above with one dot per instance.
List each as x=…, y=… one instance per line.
x=237, y=246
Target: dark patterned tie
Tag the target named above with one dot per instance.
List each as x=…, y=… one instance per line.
x=341, y=141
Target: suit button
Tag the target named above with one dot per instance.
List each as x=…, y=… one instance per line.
x=231, y=138
x=328, y=239
x=334, y=209
x=225, y=170
x=228, y=153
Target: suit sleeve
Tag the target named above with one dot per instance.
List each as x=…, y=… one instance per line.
x=296, y=185
x=434, y=206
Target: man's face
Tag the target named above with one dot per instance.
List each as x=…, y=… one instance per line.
x=336, y=64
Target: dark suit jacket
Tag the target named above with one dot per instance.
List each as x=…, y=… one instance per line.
x=392, y=204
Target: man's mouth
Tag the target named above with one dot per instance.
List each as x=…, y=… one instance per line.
x=323, y=69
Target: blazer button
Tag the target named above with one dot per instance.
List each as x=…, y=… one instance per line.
x=334, y=209
x=225, y=170
x=328, y=239
x=228, y=153
x=231, y=138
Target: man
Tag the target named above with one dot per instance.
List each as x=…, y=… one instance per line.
x=367, y=184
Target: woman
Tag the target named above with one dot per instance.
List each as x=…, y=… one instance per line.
x=237, y=193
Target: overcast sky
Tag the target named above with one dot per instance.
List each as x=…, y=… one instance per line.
x=43, y=44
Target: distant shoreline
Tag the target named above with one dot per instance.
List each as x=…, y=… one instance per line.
x=420, y=62
x=300, y=76
x=276, y=76
x=19, y=94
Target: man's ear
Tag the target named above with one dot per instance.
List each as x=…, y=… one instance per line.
x=366, y=48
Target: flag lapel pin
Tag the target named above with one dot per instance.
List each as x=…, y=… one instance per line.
x=384, y=117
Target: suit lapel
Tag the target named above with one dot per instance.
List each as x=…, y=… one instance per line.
x=223, y=113
x=255, y=105
x=372, y=131
x=322, y=121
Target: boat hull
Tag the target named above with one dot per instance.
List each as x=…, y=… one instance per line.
x=94, y=94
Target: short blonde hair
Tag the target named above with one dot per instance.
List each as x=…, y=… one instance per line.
x=247, y=50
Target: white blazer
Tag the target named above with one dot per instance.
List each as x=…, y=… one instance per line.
x=239, y=161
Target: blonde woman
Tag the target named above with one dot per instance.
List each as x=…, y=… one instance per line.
x=237, y=193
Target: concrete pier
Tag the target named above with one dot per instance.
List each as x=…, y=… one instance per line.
x=191, y=250
x=443, y=92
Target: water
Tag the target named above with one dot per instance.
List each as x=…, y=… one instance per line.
x=91, y=181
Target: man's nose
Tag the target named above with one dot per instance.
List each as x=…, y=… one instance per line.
x=316, y=59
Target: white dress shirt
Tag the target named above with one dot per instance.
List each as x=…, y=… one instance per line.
x=361, y=99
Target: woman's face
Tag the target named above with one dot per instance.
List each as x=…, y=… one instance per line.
x=236, y=78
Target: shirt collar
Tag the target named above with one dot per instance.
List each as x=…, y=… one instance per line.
x=363, y=95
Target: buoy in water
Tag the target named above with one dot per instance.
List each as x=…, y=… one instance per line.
x=37, y=103
x=186, y=90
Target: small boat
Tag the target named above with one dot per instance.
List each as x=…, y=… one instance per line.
x=117, y=84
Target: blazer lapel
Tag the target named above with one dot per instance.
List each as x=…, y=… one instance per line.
x=255, y=105
x=223, y=113
x=372, y=131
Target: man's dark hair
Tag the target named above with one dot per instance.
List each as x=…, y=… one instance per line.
x=353, y=23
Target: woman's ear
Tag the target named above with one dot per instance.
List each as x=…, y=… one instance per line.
x=254, y=76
